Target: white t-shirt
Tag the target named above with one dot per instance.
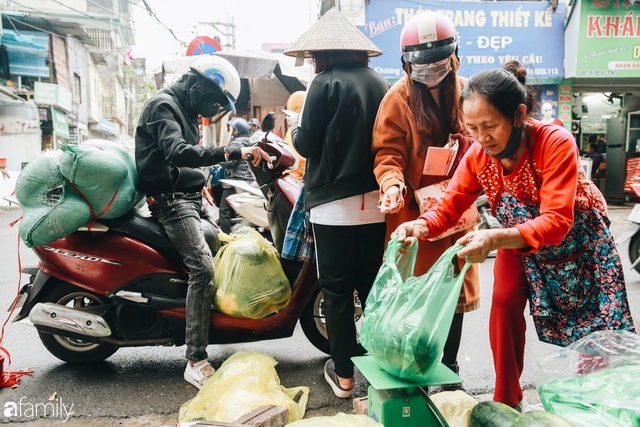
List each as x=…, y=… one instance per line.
x=355, y=210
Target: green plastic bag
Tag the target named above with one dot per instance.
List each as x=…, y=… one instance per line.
x=594, y=381
x=407, y=318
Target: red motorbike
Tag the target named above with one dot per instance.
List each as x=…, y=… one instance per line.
x=122, y=284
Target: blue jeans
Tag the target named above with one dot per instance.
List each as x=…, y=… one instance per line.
x=180, y=215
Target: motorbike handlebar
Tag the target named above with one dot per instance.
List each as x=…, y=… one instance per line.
x=249, y=157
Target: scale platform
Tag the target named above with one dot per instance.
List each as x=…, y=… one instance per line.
x=382, y=380
x=395, y=402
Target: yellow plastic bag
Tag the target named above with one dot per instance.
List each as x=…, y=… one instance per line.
x=249, y=280
x=245, y=381
x=455, y=406
x=339, y=420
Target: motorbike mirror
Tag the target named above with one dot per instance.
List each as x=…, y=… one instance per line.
x=269, y=122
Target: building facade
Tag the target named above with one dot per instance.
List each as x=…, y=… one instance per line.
x=72, y=60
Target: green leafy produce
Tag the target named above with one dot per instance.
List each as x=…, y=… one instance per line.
x=492, y=414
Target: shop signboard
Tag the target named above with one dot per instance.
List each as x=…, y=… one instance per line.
x=565, y=101
x=60, y=123
x=491, y=33
x=609, y=39
x=108, y=127
x=559, y=96
x=52, y=94
x=549, y=94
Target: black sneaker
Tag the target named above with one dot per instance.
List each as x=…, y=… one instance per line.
x=452, y=387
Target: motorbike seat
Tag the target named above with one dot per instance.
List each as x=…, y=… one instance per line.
x=139, y=224
x=290, y=187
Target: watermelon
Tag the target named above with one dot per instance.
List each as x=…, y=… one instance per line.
x=492, y=414
x=540, y=419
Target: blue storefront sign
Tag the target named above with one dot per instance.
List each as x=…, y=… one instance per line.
x=491, y=33
x=108, y=127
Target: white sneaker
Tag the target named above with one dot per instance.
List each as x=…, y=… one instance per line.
x=332, y=379
x=198, y=373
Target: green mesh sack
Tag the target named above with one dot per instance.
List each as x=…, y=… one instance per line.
x=407, y=318
x=63, y=190
x=104, y=174
x=51, y=209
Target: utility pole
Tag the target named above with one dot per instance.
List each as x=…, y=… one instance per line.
x=227, y=30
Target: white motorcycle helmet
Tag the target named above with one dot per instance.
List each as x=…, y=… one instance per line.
x=222, y=73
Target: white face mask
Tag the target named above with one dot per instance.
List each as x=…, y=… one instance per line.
x=431, y=74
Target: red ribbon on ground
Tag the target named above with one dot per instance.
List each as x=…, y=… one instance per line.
x=11, y=378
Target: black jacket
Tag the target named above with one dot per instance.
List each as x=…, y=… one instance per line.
x=335, y=133
x=238, y=169
x=167, y=153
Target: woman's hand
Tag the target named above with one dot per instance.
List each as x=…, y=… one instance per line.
x=257, y=154
x=392, y=201
x=478, y=244
x=292, y=118
x=407, y=232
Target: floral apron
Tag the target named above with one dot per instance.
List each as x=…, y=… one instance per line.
x=576, y=287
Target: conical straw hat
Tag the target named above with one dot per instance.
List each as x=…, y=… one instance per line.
x=332, y=32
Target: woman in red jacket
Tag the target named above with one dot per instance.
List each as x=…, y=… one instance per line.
x=555, y=249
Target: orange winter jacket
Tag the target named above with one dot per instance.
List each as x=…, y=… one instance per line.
x=395, y=148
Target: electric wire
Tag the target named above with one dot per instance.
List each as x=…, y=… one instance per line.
x=153, y=15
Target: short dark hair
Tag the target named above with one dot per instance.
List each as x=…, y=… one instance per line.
x=326, y=59
x=500, y=88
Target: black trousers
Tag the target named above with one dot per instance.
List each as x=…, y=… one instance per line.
x=348, y=258
x=225, y=211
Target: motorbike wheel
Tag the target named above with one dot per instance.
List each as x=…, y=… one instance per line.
x=634, y=250
x=314, y=325
x=74, y=350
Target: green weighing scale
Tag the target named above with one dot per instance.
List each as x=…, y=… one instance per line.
x=394, y=402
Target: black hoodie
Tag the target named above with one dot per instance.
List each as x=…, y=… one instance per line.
x=168, y=156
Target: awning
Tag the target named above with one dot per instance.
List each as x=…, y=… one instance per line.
x=57, y=26
x=617, y=85
x=27, y=52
